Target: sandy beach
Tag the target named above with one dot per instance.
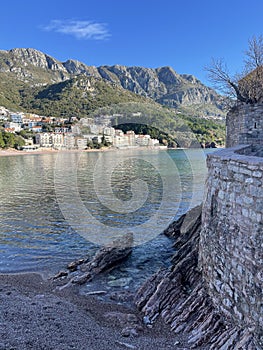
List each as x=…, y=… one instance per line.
x=15, y=152
x=34, y=314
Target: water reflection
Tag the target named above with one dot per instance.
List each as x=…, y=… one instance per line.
x=33, y=231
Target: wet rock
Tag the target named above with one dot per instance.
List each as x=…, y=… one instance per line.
x=179, y=296
x=122, y=296
x=121, y=282
x=105, y=258
x=147, y=321
x=97, y=292
x=130, y=323
x=129, y=332
x=126, y=345
x=81, y=279
x=130, y=270
x=60, y=274
x=112, y=277
x=72, y=266
x=121, y=318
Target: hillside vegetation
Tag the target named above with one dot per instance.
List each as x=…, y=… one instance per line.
x=32, y=81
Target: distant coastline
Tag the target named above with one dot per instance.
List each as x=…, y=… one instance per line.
x=15, y=152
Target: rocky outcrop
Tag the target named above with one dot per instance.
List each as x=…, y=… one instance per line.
x=32, y=65
x=35, y=58
x=179, y=297
x=163, y=85
x=106, y=257
x=74, y=67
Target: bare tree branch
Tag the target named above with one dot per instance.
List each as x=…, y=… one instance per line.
x=254, y=53
x=218, y=74
x=246, y=87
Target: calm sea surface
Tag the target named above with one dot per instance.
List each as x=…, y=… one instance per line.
x=53, y=204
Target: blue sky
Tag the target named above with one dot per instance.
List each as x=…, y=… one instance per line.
x=183, y=34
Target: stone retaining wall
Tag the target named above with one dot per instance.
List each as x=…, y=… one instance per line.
x=231, y=242
x=244, y=125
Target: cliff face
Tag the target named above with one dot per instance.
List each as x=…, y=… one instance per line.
x=35, y=58
x=163, y=84
x=33, y=66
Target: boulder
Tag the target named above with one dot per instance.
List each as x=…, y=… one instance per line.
x=105, y=258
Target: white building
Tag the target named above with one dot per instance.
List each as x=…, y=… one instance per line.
x=96, y=129
x=143, y=140
x=61, y=129
x=109, y=134
x=36, y=128
x=57, y=140
x=13, y=125
x=154, y=143
x=17, y=118
x=108, y=131
x=69, y=141
x=86, y=121
x=97, y=139
x=103, y=120
x=44, y=139
x=131, y=138
x=75, y=129
x=81, y=143
x=50, y=140
x=3, y=113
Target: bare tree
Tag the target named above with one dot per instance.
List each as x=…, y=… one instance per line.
x=222, y=80
x=247, y=86
x=254, y=54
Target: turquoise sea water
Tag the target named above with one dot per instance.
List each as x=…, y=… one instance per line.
x=56, y=207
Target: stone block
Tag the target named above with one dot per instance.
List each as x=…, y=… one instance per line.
x=245, y=212
x=245, y=171
x=257, y=174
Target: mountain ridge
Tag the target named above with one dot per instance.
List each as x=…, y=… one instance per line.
x=163, y=84
x=31, y=81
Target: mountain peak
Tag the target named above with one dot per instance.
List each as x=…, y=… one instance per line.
x=36, y=58
x=27, y=51
x=163, y=84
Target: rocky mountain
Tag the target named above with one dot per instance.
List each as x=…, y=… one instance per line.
x=79, y=96
x=164, y=85
x=32, y=66
x=34, y=82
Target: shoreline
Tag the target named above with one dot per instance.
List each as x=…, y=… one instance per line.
x=15, y=152
x=36, y=314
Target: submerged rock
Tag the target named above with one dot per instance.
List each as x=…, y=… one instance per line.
x=120, y=282
x=105, y=258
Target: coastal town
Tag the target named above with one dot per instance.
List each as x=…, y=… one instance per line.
x=42, y=132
